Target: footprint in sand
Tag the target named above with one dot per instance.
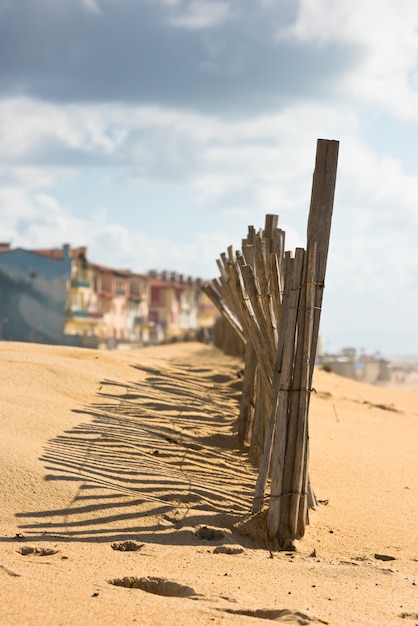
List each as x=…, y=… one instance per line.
x=25, y=550
x=158, y=586
x=384, y=557
x=127, y=546
x=8, y=571
x=283, y=615
x=228, y=550
x=206, y=532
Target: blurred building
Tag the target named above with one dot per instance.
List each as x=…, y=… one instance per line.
x=33, y=294
x=348, y=363
x=179, y=310
x=57, y=296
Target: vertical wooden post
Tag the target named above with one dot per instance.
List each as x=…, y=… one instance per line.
x=284, y=373
x=246, y=414
x=286, y=522
x=319, y=221
x=273, y=301
x=297, y=487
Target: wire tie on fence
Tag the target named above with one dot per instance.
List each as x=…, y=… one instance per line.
x=290, y=390
x=313, y=282
x=286, y=495
x=304, y=308
x=306, y=389
x=295, y=493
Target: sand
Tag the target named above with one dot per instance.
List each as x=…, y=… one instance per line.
x=101, y=448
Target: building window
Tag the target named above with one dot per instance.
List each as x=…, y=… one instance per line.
x=120, y=287
x=156, y=295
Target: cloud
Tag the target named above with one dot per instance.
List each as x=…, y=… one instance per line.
x=386, y=36
x=40, y=221
x=207, y=56
x=149, y=145
x=230, y=58
x=200, y=14
x=243, y=168
x=264, y=164
x=91, y=6
x=155, y=132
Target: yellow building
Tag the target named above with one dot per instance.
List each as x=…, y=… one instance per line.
x=178, y=308
x=83, y=319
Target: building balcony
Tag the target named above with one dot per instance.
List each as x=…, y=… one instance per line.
x=83, y=314
x=79, y=283
x=96, y=315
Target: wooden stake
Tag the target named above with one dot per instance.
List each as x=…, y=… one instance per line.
x=283, y=375
x=298, y=499
x=271, y=425
x=246, y=415
x=319, y=221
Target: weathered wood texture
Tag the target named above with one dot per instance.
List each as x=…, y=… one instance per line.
x=272, y=302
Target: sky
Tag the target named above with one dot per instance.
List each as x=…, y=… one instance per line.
x=154, y=132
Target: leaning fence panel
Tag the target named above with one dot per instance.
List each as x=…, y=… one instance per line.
x=271, y=300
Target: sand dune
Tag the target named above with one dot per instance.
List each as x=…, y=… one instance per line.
x=105, y=451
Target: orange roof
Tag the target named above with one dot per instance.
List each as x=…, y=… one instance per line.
x=57, y=253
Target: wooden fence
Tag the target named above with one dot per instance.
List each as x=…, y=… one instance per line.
x=272, y=302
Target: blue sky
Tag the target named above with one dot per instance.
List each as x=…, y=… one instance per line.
x=155, y=131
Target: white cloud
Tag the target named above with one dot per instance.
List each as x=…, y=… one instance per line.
x=92, y=6
x=265, y=162
x=5, y=5
x=67, y=169
x=235, y=170
x=386, y=36
x=167, y=2
x=34, y=219
x=200, y=14
x=25, y=124
x=40, y=221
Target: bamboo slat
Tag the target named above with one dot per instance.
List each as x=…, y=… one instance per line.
x=283, y=380
x=246, y=414
x=273, y=302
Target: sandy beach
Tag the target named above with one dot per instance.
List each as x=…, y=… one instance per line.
x=122, y=482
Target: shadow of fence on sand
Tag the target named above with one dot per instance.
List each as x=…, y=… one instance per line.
x=154, y=457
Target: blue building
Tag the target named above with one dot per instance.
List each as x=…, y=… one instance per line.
x=33, y=294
